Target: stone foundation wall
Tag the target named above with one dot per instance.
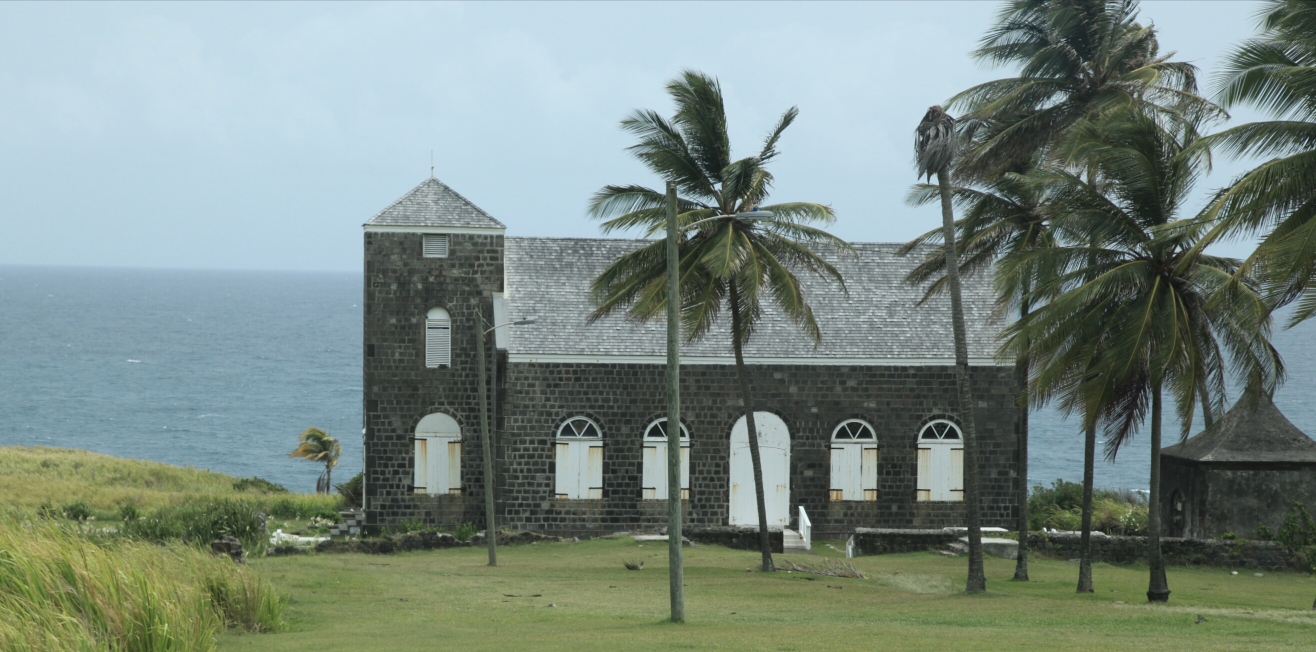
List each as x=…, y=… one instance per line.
x=882, y=541
x=1266, y=555
x=735, y=537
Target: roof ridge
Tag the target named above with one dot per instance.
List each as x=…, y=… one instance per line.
x=463, y=198
x=434, y=203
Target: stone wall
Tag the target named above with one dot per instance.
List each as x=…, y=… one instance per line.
x=739, y=538
x=400, y=288
x=884, y=541
x=1240, y=553
x=812, y=399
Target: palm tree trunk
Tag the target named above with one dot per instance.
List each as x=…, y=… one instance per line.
x=1085, y=540
x=746, y=399
x=486, y=444
x=675, y=563
x=329, y=477
x=1021, y=375
x=977, y=580
x=1158, y=588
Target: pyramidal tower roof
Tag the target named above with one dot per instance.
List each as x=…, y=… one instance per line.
x=1248, y=435
x=434, y=204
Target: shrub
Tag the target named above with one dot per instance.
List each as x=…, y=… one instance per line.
x=200, y=522
x=464, y=531
x=1226, y=536
x=1060, y=507
x=1264, y=533
x=351, y=490
x=1305, y=559
x=258, y=485
x=302, y=506
x=129, y=512
x=66, y=591
x=76, y=511
x=1299, y=530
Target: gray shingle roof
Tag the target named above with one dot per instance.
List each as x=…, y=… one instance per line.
x=549, y=278
x=434, y=204
x=1247, y=435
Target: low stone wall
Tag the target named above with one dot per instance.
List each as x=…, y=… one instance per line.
x=429, y=540
x=1176, y=552
x=884, y=541
x=734, y=537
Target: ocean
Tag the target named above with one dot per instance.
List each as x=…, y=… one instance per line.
x=222, y=370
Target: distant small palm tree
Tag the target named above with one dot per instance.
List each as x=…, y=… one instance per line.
x=317, y=446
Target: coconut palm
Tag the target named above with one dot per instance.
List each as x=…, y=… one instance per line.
x=1137, y=310
x=317, y=446
x=1001, y=218
x=935, y=146
x=729, y=260
x=1077, y=59
x=1275, y=72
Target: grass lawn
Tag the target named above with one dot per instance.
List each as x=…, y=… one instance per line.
x=579, y=597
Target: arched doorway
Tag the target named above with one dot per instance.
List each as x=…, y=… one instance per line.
x=775, y=456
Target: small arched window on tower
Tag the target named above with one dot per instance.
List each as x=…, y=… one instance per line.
x=854, y=461
x=654, y=481
x=940, y=462
x=578, y=454
x=438, y=338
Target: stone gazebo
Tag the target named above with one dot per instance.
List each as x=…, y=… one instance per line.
x=1241, y=473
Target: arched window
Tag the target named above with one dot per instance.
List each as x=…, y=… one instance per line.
x=438, y=338
x=653, y=485
x=854, y=461
x=579, y=459
x=940, y=462
x=438, y=463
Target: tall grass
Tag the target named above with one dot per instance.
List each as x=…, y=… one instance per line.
x=64, y=590
x=54, y=479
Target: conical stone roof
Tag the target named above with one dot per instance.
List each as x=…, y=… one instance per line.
x=434, y=204
x=1247, y=435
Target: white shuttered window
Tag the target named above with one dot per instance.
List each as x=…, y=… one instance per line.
x=578, y=457
x=438, y=461
x=653, y=485
x=434, y=245
x=940, y=463
x=438, y=338
x=854, y=461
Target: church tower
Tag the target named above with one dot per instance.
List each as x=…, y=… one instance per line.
x=433, y=267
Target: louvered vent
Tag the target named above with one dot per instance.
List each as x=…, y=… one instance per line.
x=434, y=245
x=438, y=342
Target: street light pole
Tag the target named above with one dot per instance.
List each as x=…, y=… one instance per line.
x=486, y=443
x=675, y=563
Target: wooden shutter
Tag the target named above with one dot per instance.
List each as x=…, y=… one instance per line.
x=420, y=477
x=434, y=245
x=592, y=478
x=868, y=473
x=653, y=483
x=924, y=491
x=845, y=472
x=455, y=467
x=567, y=477
x=438, y=343
x=685, y=472
x=955, y=474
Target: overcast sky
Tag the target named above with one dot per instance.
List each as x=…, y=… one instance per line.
x=261, y=136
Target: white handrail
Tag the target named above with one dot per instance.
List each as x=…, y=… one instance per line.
x=806, y=529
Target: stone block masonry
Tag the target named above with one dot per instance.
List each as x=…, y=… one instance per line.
x=400, y=287
x=1239, y=553
x=811, y=399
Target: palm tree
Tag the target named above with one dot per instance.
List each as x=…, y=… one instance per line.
x=729, y=258
x=1137, y=310
x=317, y=446
x=1275, y=72
x=1001, y=218
x=1078, y=60
x=935, y=146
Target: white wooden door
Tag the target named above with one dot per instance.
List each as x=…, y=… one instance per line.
x=775, y=457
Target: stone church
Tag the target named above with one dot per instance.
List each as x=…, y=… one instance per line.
x=863, y=430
